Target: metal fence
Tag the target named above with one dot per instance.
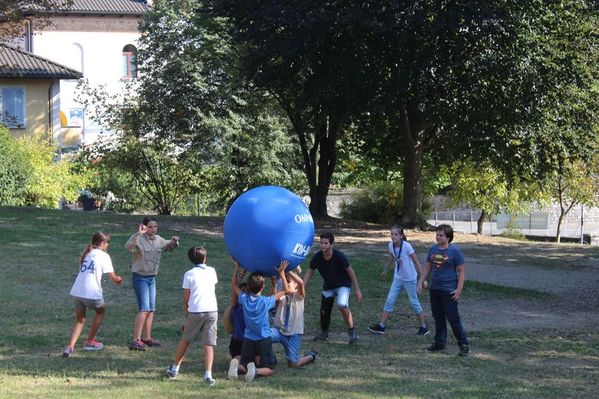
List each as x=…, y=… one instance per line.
x=535, y=224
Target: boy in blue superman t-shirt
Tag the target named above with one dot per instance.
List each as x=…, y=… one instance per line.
x=445, y=261
x=257, y=335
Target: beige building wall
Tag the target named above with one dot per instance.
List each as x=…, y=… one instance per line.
x=37, y=113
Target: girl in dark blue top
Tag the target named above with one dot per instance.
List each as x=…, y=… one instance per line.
x=445, y=262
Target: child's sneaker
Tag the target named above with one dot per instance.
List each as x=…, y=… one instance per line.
x=151, y=343
x=68, y=351
x=353, y=336
x=171, y=372
x=423, y=330
x=137, y=345
x=464, y=350
x=210, y=381
x=233, y=369
x=92, y=345
x=251, y=373
x=377, y=329
x=314, y=355
x=323, y=336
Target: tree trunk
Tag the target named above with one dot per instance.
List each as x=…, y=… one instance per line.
x=412, y=187
x=411, y=130
x=481, y=221
x=318, y=202
x=558, y=233
x=320, y=159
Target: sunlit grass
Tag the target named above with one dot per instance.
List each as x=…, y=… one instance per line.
x=39, y=254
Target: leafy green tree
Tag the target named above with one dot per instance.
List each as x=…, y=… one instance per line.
x=158, y=175
x=486, y=188
x=190, y=108
x=478, y=80
x=309, y=56
x=452, y=79
x=574, y=183
x=255, y=150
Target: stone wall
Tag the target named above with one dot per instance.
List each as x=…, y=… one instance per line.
x=337, y=197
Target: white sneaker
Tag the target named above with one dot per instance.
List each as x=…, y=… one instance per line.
x=249, y=376
x=233, y=368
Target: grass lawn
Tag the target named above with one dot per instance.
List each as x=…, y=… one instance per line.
x=39, y=252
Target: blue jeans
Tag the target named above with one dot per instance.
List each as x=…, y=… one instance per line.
x=291, y=343
x=396, y=287
x=445, y=310
x=145, y=292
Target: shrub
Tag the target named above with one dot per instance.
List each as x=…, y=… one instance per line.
x=513, y=231
x=378, y=203
x=30, y=174
x=12, y=171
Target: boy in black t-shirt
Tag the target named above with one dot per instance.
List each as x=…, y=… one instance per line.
x=338, y=277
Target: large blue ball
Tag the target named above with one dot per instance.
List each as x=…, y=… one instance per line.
x=266, y=225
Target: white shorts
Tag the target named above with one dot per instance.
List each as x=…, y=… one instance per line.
x=342, y=294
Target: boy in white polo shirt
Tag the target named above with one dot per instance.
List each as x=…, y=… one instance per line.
x=199, y=303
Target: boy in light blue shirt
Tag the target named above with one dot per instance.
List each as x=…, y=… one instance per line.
x=257, y=335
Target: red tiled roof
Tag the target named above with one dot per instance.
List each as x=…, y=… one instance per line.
x=15, y=63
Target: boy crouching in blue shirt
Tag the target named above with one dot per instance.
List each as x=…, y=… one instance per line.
x=257, y=335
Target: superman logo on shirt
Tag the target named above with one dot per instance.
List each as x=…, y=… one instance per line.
x=439, y=260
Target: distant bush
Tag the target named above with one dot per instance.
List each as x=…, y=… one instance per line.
x=513, y=231
x=30, y=174
x=378, y=203
x=13, y=175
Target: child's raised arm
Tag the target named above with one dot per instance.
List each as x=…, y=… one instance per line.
x=273, y=285
x=281, y=271
x=171, y=244
x=301, y=291
x=235, y=281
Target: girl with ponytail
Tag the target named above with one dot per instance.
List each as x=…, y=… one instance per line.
x=87, y=291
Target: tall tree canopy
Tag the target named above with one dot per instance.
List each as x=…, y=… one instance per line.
x=448, y=79
x=192, y=108
x=309, y=56
x=485, y=80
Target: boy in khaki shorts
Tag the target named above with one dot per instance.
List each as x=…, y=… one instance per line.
x=199, y=303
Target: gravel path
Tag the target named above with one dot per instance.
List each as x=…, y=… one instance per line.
x=576, y=302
